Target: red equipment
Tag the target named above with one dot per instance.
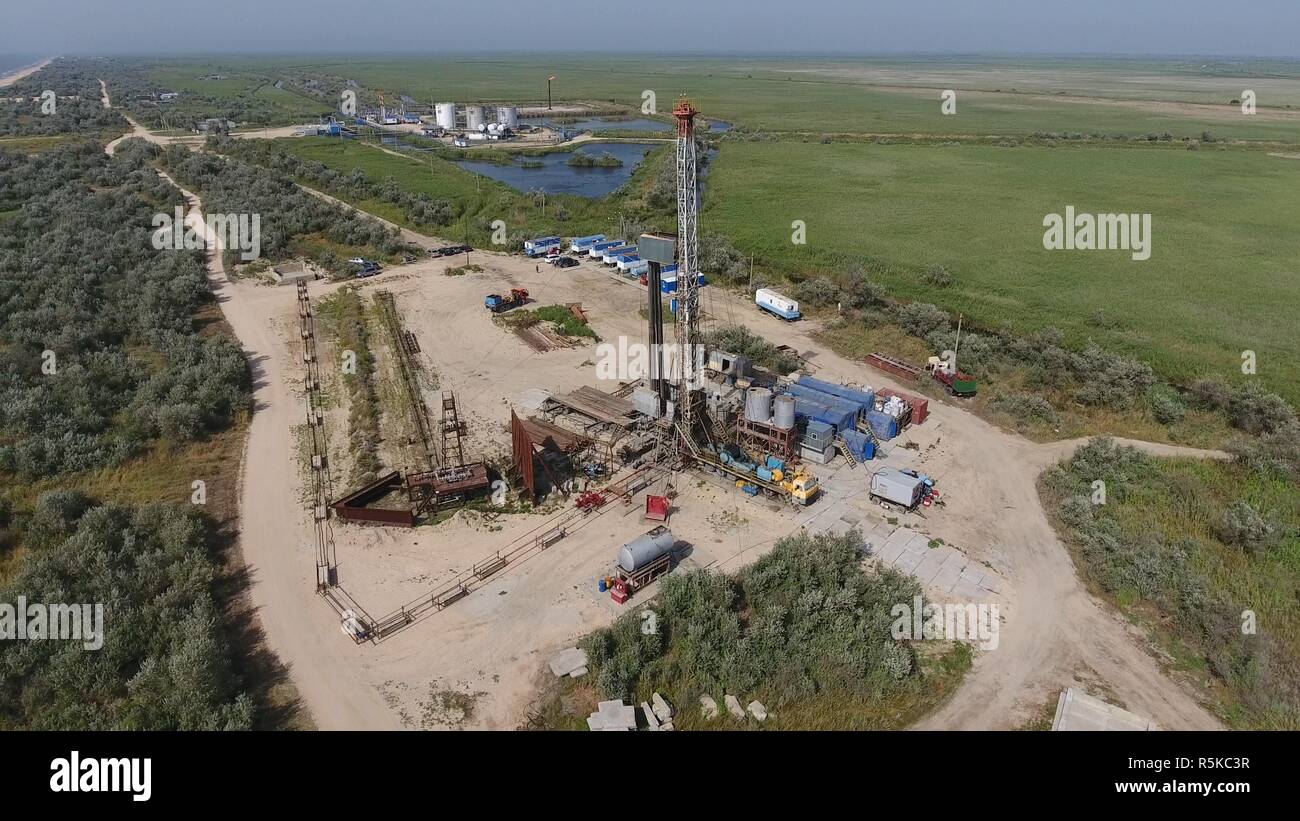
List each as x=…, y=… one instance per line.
x=590, y=500
x=657, y=507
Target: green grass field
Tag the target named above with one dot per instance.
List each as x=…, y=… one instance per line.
x=883, y=95
x=1223, y=277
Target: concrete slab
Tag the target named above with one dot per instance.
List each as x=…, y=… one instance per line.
x=929, y=566
x=708, y=707
x=1076, y=710
x=733, y=707
x=909, y=561
x=662, y=709
x=651, y=722
x=566, y=661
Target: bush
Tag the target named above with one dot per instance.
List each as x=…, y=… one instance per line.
x=817, y=292
x=1166, y=406
x=921, y=318
x=739, y=340
x=1244, y=527
x=937, y=275
x=813, y=622
x=1255, y=410
x=1025, y=407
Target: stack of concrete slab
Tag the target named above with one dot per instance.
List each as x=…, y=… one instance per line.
x=613, y=716
x=1076, y=710
x=571, y=663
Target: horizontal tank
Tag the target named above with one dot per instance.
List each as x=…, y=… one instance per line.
x=445, y=114
x=758, y=405
x=783, y=412
x=474, y=117
x=508, y=116
x=645, y=549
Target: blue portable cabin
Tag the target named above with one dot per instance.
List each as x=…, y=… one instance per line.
x=611, y=255
x=864, y=397
x=540, y=245
x=598, y=249
x=585, y=243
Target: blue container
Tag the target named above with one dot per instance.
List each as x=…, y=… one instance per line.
x=839, y=419
x=600, y=585
x=866, y=397
x=828, y=400
x=859, y=444
x=775, y=463
x=672, y=305
x=882, y=424
x=764, y=473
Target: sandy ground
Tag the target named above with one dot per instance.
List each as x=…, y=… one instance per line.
x=492, y=644
x=17, y=74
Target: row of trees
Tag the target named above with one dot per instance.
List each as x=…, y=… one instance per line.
x=99, y=352
x=287, y=213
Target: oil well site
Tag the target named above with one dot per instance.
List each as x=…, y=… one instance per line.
x=530, y=485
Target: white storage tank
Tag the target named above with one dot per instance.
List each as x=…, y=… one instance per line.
x=645, y=549
x=474, y=119
x=783, y=412
x=758, y=405
x=445, y=114
x=508, y=116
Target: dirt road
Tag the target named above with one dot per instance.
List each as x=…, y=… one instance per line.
x=273, y=531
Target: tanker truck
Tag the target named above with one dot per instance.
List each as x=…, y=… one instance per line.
x=641, y=561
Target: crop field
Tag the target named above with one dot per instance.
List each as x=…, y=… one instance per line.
x=860, y=95
x=1223, y=276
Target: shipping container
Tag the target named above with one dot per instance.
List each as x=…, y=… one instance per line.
x=920, y=405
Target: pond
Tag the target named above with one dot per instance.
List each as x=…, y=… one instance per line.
x=556, y=176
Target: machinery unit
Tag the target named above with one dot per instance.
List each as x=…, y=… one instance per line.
x=508, y=116
x=896, y=490
x=496, y=303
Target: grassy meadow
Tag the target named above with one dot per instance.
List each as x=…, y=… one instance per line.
x=1223, y=276
x=896, y=95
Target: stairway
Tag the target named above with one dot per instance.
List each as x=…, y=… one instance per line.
x=844, y=449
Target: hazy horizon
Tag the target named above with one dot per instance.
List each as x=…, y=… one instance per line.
x=843, y=28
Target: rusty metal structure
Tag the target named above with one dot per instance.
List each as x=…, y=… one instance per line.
x=322, y=485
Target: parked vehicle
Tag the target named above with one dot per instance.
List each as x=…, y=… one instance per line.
x=895, y=490
x=768, y=300
x=496, y=303
x=564, y=262
x=364, y=267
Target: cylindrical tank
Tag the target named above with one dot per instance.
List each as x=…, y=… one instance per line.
x=474, y=118
x=783, y=412
x=508, y=116
x=758, y=405
x=445, y=114
x=645, y=549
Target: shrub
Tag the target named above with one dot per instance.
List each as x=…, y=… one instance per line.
x=1255, y=410
x=817, y=292
x=1244, y=527
x=921, y=318
x=937, y=275
x=1166, y=407
x=1025, y=407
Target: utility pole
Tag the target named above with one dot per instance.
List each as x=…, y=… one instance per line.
x=549, y=78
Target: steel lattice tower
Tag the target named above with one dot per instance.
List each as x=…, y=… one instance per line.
x=688, y=292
